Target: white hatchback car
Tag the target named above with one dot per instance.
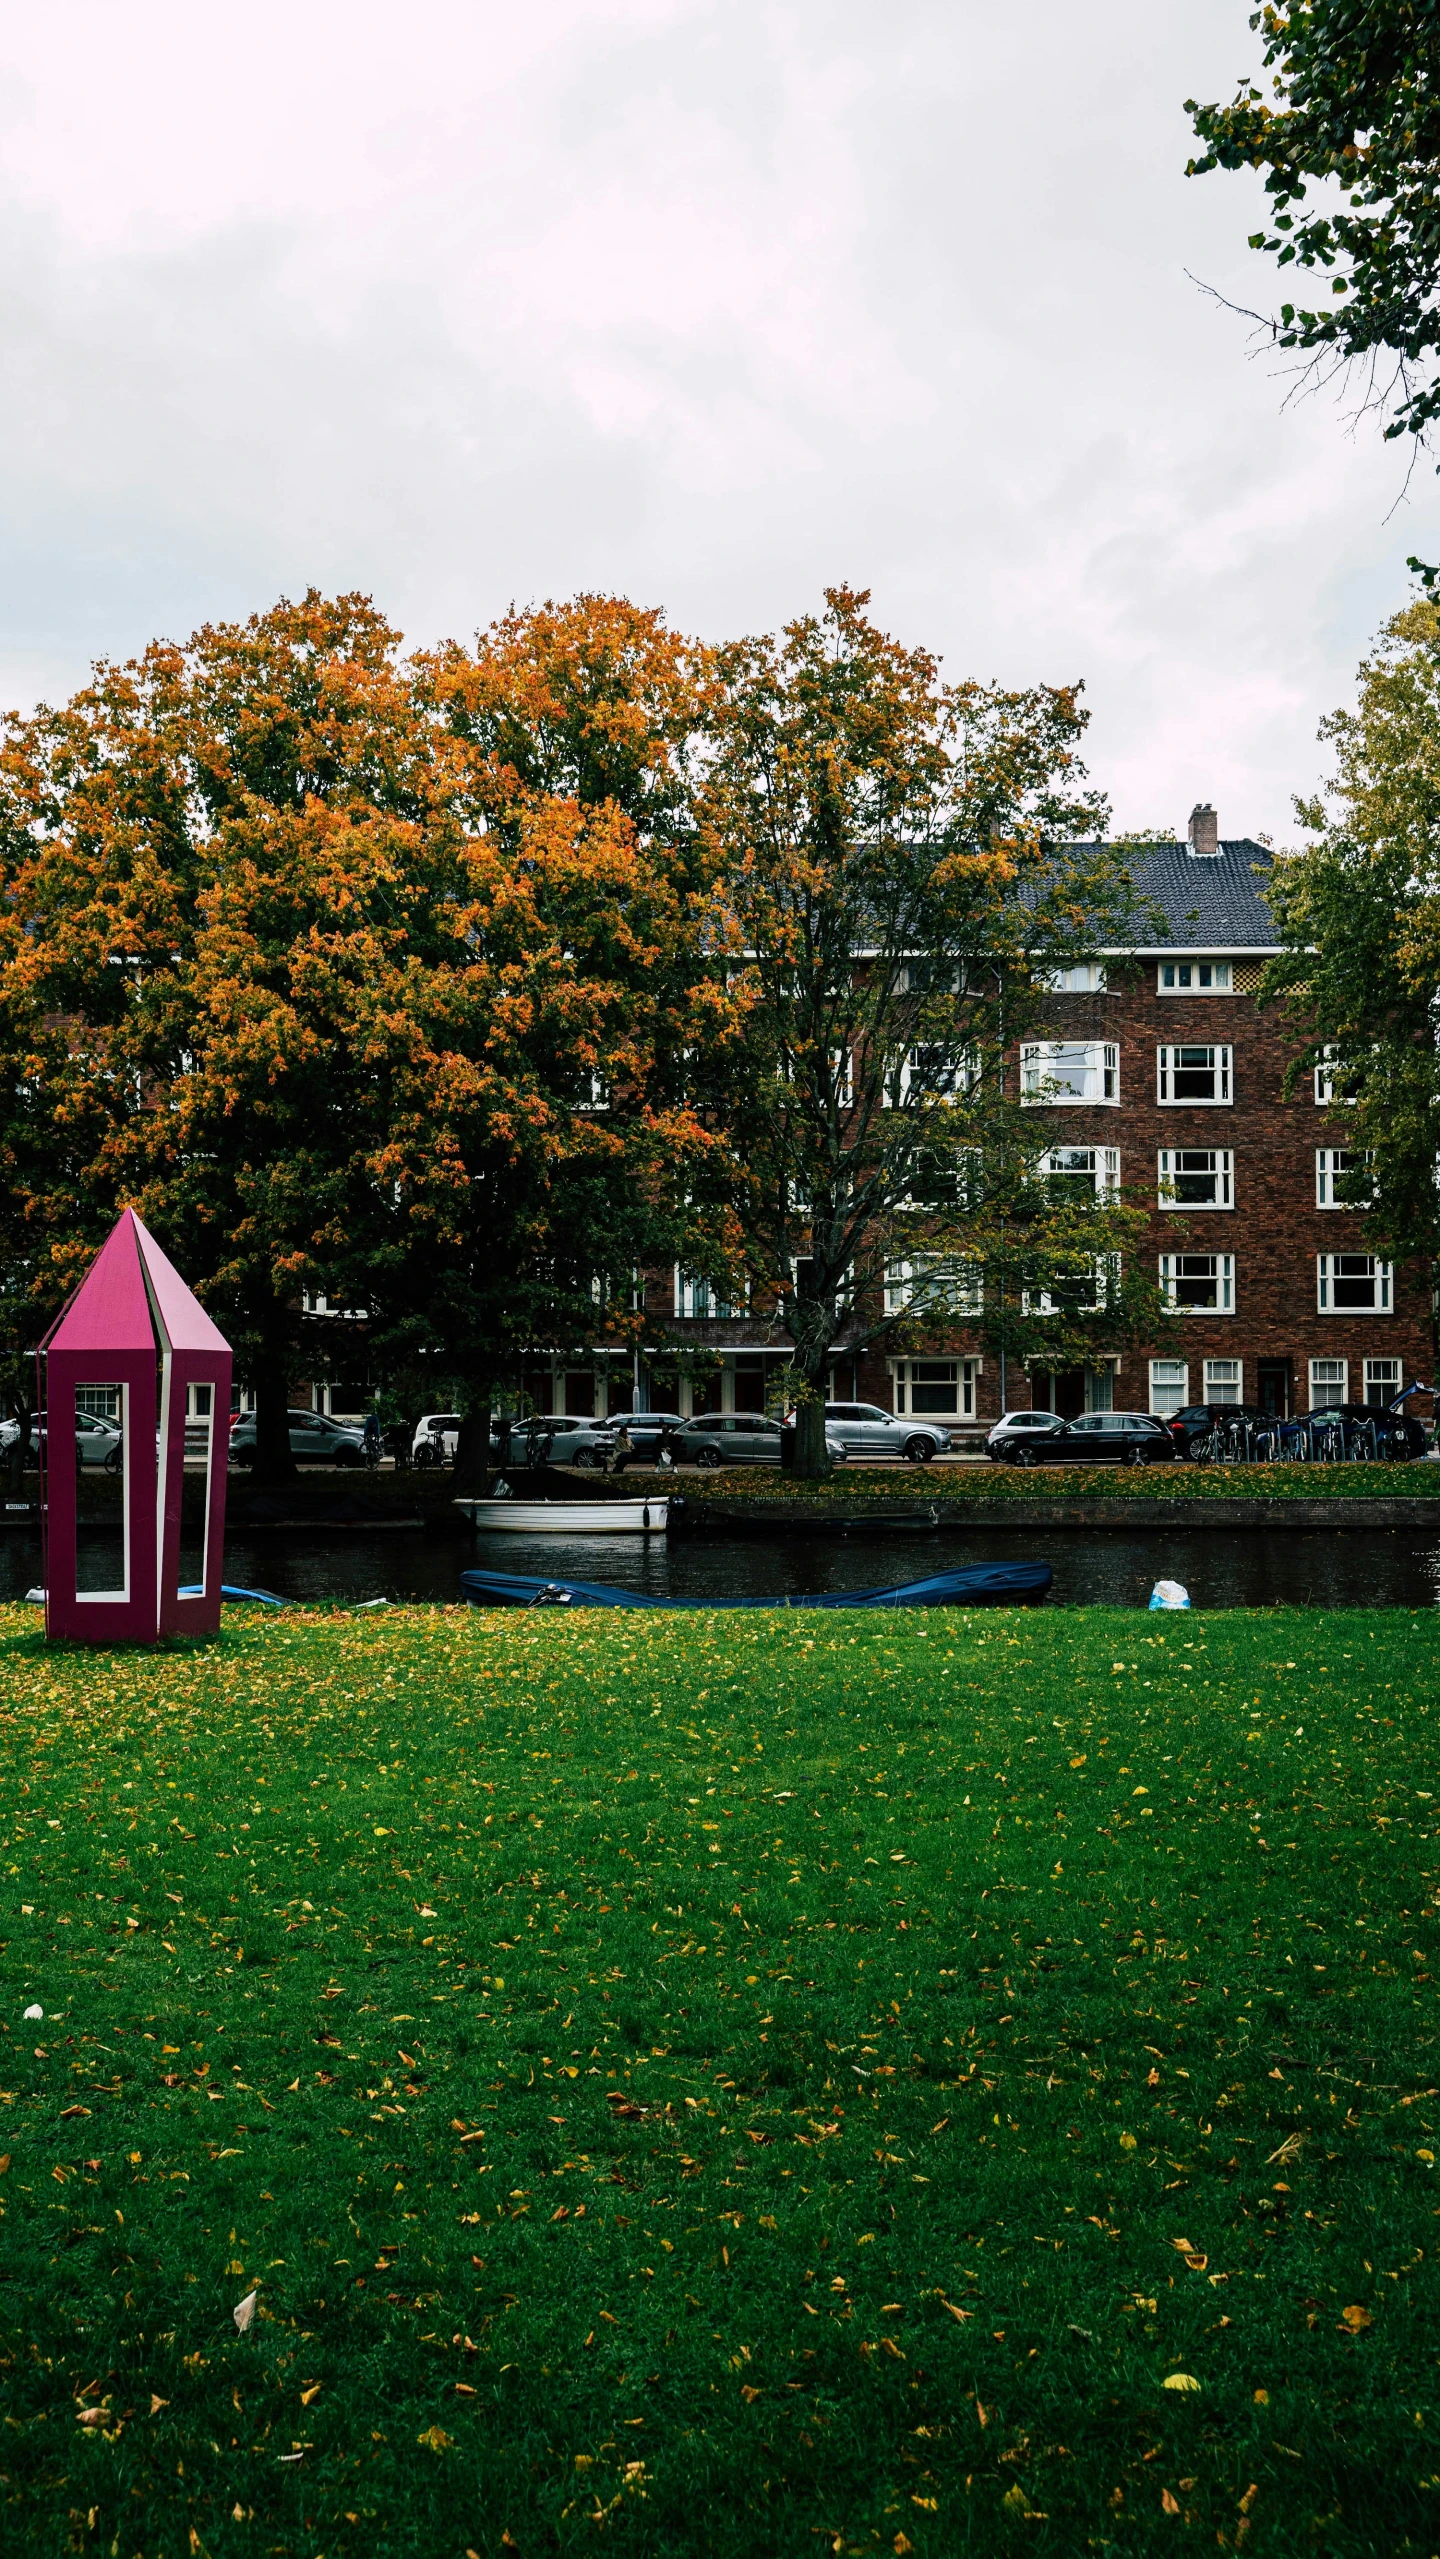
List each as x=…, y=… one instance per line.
x=445, y=1427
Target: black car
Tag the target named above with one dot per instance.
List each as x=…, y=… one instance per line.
x=1092, y=1439
x=1193, y=1427
x=1395, y=1435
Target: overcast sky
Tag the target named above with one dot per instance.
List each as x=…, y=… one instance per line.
x=710, y=301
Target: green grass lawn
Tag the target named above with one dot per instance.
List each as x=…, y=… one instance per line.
x=740, y=2085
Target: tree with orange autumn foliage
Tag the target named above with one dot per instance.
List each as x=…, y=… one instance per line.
x=342, y=1002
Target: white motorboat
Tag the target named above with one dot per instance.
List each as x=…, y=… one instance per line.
x=570, y=1519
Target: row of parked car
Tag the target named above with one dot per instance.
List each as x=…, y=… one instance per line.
x=1217, y=1433
x=709, y=1440
x=1220, y=1432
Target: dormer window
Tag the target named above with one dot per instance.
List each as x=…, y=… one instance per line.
x=1195, y=977
x=1082, y=977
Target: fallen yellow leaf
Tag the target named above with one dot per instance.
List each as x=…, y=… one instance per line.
x=1179, y=2381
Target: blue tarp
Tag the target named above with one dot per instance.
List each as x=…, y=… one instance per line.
x=971, y=1586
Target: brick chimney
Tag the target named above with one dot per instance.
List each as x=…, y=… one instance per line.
x=1204, y=831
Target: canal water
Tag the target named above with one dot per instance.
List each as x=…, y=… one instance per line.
x=1221, y=1568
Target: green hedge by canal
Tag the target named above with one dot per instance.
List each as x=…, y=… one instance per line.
x=960, y=1488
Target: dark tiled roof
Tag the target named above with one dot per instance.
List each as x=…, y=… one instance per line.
x=1210, y=902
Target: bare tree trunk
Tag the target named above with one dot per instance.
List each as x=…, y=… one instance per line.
x=811, y=1461
x=472, y=1453
x=273, y=1461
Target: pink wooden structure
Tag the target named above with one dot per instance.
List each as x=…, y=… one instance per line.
x=134, y=1336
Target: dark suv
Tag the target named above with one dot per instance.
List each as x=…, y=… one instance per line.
x=1396, y=1435
x=1192, y=1428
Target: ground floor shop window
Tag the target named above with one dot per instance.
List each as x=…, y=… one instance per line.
x=936, y=1386
x=1352, y=1284
x=1169, y=1385
x=1329, y=1383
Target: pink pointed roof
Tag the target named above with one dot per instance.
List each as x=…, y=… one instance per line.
x=130, y=1290
x=183, y=1319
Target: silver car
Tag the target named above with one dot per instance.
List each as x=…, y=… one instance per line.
x=737, y=1439
x=863, y=1430
x=314, y=1440
x=98, y=1442
x=561, y=1439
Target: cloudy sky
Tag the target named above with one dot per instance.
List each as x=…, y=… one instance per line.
x=711, y=301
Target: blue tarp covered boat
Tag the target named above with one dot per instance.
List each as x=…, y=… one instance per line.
x=971, y=1586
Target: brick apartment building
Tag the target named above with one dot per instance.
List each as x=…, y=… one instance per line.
x=1176, y=1081
x=1171, y=1084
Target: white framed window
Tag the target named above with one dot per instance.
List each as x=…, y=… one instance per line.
x=1326, y=1092
x=934, y=1284
x=1199, y=1283
x=315, y=1302
x=1085, y=1290
x=1352, y=1284
x=1091, y=1168
x=607, y=1290
x=1083, y=977
x=934, y=977
x=1055, y=1071
x=1329, y=1383
x=1224, y=1381
x=1340, y=1170
x=1194, y=977
x=932, y=1072
x=939, y=1179
x=936, y=1386
x=1196, y=1177
x=1169, y=1385
x=1383, y=1380
x=1194, y=1076
x=703, y=1298
x=98, y=1403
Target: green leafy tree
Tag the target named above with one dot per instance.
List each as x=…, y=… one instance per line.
x=1350, y=151
x=898, y=875
x=1359, y=915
